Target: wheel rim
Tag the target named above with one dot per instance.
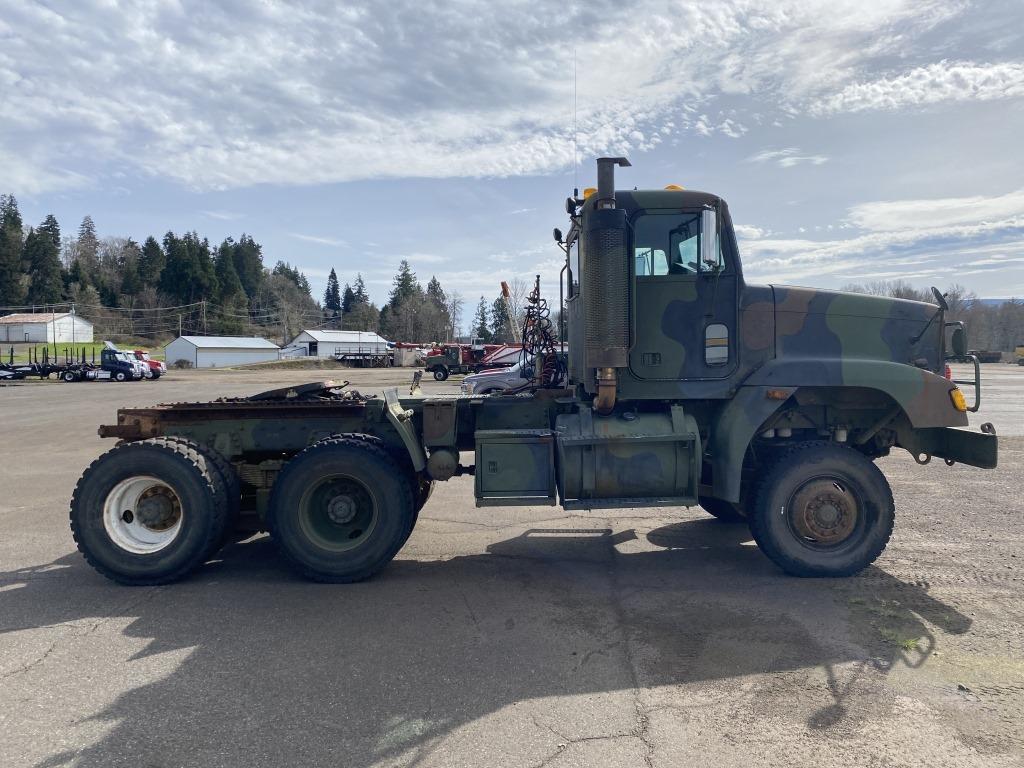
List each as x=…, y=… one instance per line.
x=338, y=513
x=142, y=515
x=824, y=512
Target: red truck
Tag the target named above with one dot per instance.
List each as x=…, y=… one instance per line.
x=446, y=359
x=154, y=368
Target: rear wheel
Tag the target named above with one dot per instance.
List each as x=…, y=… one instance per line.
x=69, y=376
x=147, y=512
x=725, y=511
x=822, y=510
x=440, y=374
x=341, y=509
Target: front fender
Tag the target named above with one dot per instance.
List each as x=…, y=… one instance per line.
x=734, y=428
x=923, y=395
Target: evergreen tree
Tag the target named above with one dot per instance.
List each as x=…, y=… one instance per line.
x=249, y=265
x=88, y=244
x=189, y=274
x=499, y=322
x=348, y=299
x=229, y=287
x=151, y=262
x=436, y=292
x=51, y=229
x=234, y=305
x=332, y=296
x=481, y=321
x=42, y=256
x=405, y=285
x=286, y=270
x=359, y=290
x=12, y=283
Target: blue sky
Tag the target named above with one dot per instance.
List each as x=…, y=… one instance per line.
x=854, y=140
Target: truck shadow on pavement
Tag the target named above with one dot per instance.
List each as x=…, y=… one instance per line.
x=284, y=672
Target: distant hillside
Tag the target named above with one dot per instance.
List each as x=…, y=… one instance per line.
x=993, y=302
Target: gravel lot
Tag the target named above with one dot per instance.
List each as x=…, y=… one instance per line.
x=511, y=637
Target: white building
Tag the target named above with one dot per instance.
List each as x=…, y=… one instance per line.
x=341, y=344
x=45, y=328
x=219, y=351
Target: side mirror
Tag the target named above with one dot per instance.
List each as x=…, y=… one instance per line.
x=558, y=235
x=708, y=237
x=958, y=342
x=940, y=299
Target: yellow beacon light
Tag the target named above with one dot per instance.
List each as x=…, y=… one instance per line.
x=674, y=188
x=588, y=192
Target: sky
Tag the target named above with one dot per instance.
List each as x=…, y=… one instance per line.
x=854, y=140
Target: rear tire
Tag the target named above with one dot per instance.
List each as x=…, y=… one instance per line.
x=341, y=509
x=725, y=511
x=822, y=510
x=146, y=513
x=69, y=376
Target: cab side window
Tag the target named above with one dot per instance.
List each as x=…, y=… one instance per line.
x=670, y=244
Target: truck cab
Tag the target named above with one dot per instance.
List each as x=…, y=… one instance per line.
x=152, y=369
x=118, y=366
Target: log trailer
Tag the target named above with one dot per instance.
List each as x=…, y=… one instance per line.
x=686, y=386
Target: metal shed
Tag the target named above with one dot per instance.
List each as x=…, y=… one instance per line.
x=45, y=328
x=341, y=344
x=220, y=351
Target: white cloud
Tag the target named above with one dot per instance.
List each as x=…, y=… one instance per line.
x=233, y=94
x=925, y=214
x=224, y=215
x=938, y=82
x=332, y=241
x=934, y=237
x=786, y=158
x=750, y=232
x=423, y=258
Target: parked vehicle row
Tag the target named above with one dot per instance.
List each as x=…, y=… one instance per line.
x=114, y=365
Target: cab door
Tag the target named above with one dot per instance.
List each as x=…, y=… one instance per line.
x=684, y=298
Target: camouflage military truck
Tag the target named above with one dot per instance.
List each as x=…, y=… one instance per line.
x=686, y=386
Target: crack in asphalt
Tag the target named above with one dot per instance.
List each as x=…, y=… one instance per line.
x=68, y=630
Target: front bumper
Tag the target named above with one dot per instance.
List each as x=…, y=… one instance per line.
x=953, y=444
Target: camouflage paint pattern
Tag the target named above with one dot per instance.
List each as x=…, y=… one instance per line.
x=791, y=352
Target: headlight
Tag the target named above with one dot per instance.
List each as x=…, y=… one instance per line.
x=467, y=388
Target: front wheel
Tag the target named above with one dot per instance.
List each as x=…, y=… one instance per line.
x=341, y=509
x=822, y=510
x=119, y=376
x=440, y=374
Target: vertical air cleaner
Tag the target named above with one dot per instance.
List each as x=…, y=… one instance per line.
x=606, y=286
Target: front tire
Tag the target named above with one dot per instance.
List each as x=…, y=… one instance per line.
x=440, y=374
x=341, y=509
x=148, y=512
x=119, y=376
x=822, y=510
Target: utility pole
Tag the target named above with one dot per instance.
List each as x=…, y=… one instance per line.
x=204, y=317
x=179, y=324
